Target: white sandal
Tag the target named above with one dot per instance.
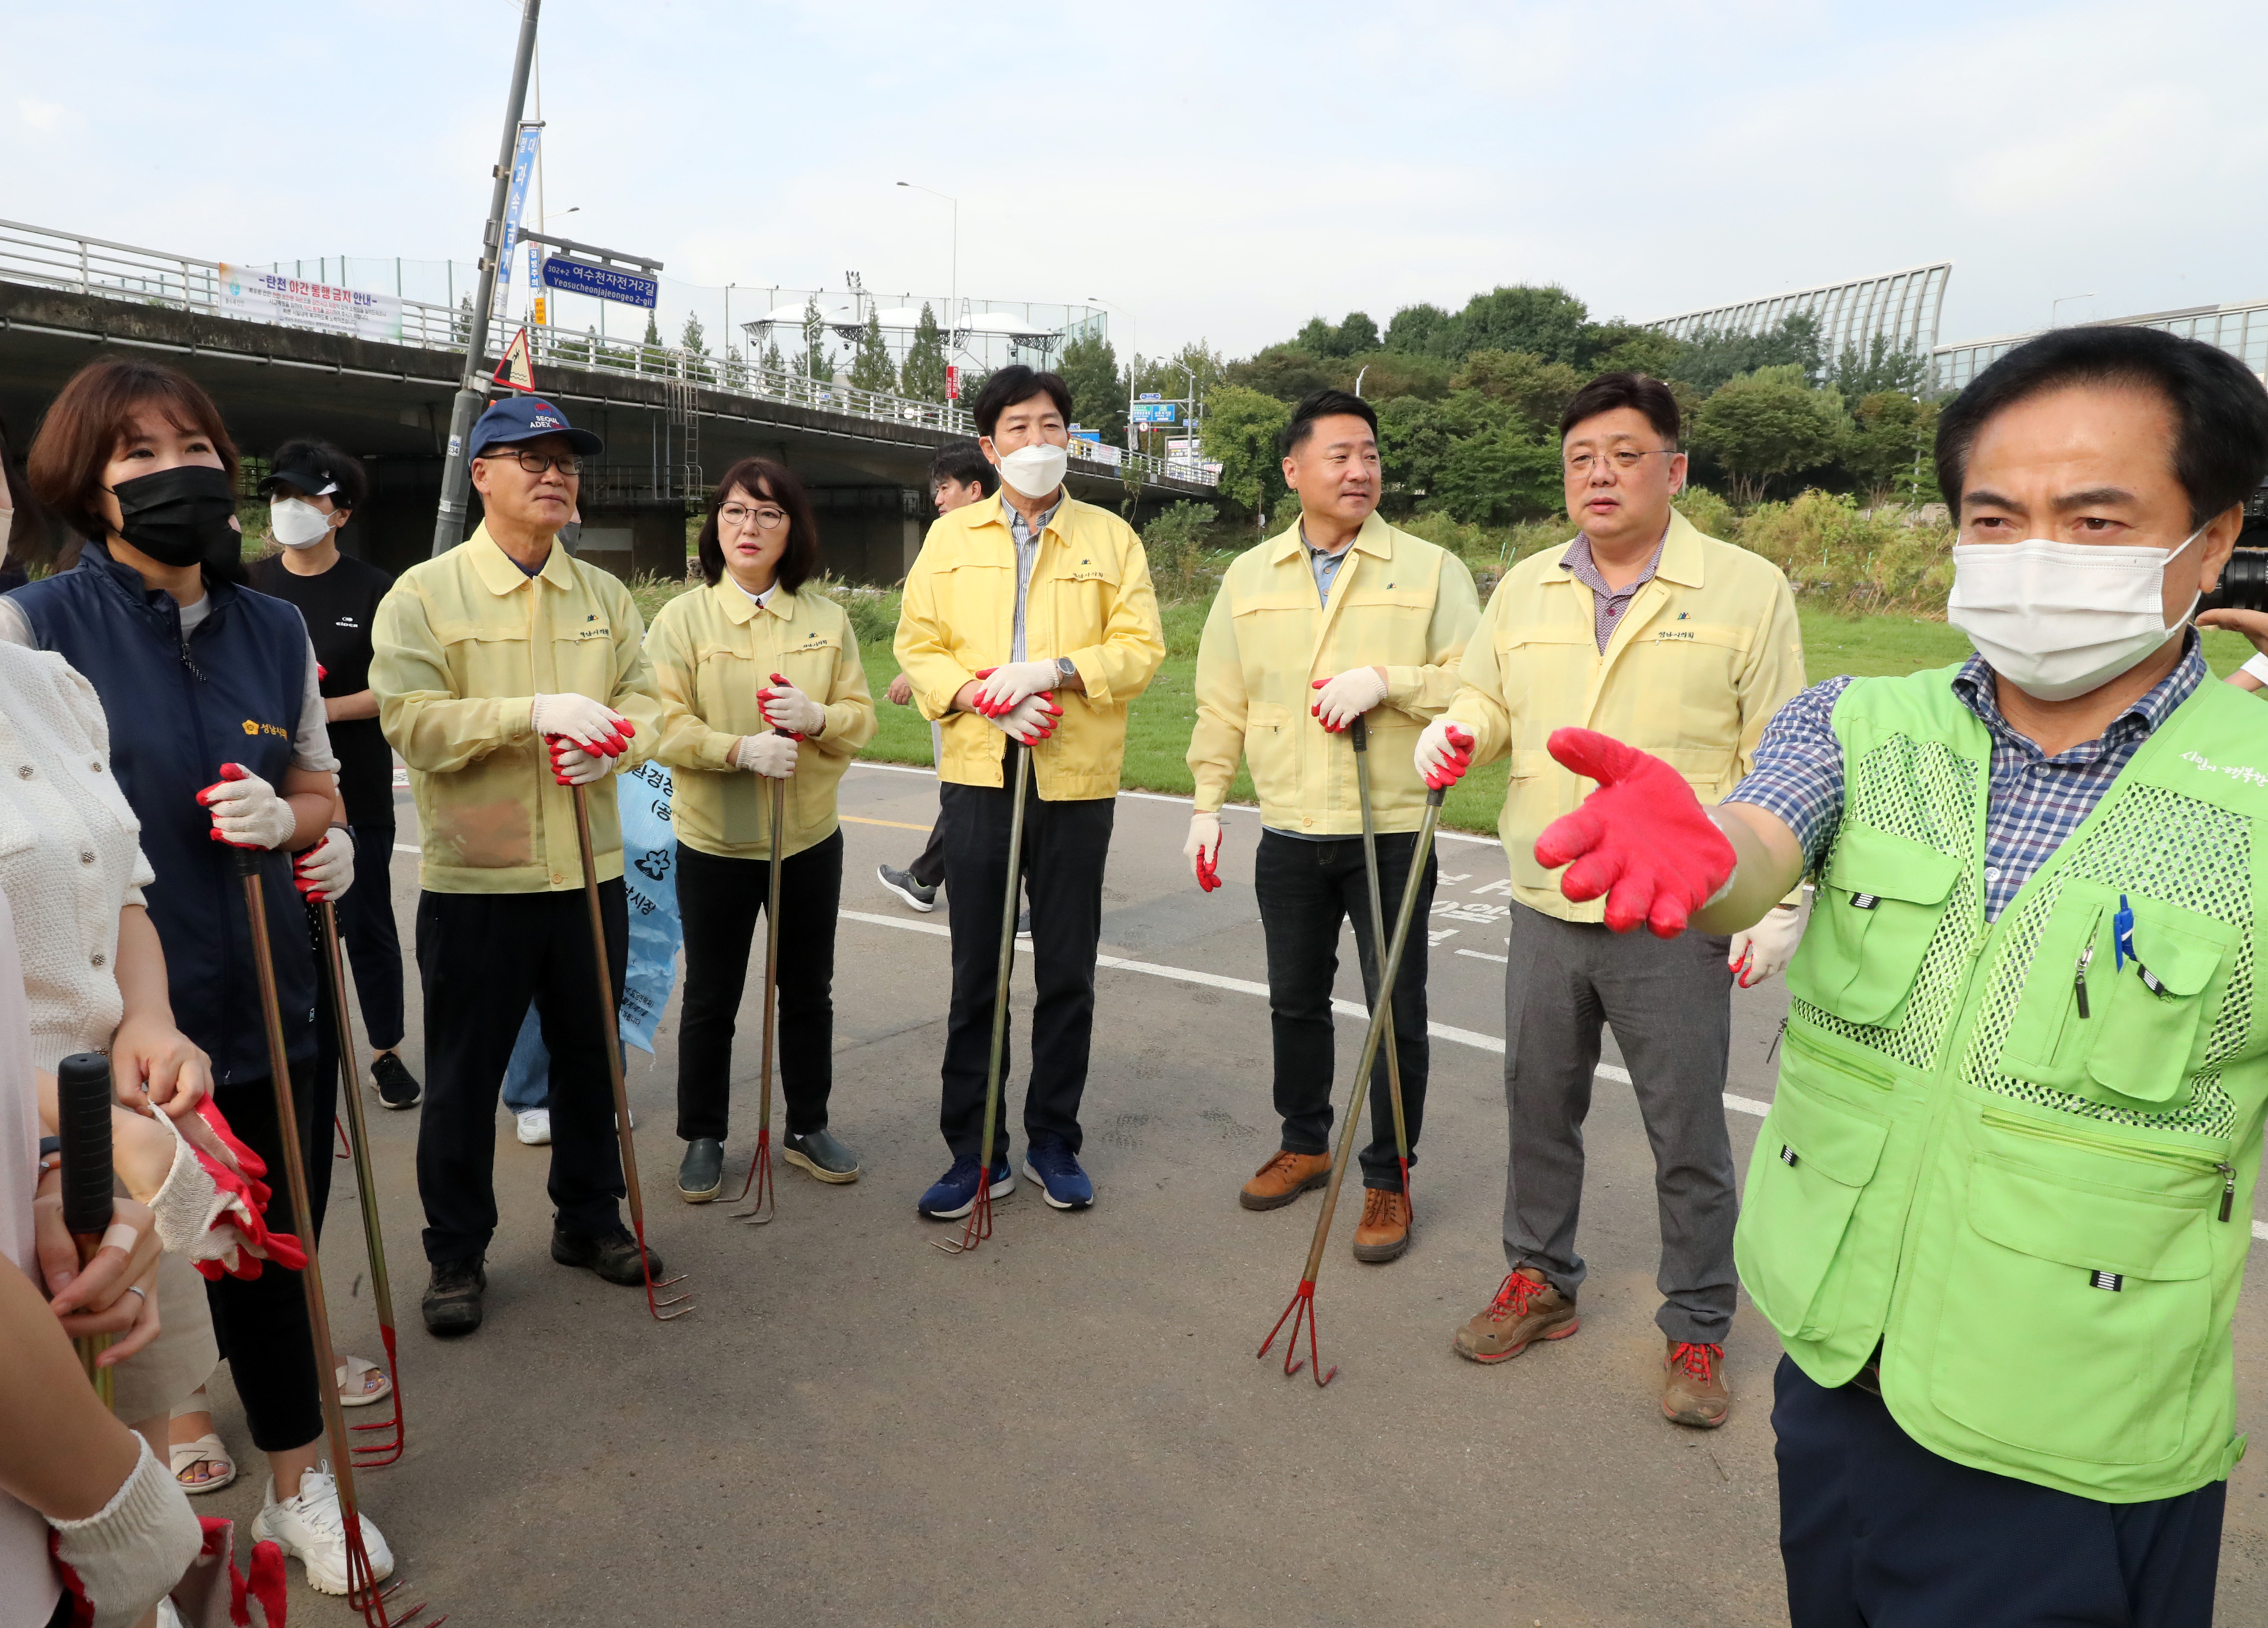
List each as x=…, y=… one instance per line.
x=206, y=1449
x=352, y=1374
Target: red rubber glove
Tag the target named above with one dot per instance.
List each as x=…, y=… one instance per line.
x=791, y=700
x=1641, y=838
x=1445, y=751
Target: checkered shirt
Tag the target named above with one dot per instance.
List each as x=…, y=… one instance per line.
x=1607, y=604
x=2034, y=803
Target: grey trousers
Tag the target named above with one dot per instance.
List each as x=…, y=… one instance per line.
x=1670, y=1004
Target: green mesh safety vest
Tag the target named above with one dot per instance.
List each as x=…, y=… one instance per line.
x=2020, y=1169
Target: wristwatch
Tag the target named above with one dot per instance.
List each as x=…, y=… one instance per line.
x=1065, y=669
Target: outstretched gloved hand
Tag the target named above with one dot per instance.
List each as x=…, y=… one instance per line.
x=327, y=870
x=1642, y=838
x=787, y=707
x=1758, y=953
x=591, y=724
x=1445, y=751
x=1348, y=696
x=1011, y=682
x=1203, y=849
x=770, y=753
x=246, y=812
x=1030, y=721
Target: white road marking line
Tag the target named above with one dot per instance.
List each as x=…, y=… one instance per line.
x=1501, y=960
x=407, y=848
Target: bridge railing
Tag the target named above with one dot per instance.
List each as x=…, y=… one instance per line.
x=48, y=258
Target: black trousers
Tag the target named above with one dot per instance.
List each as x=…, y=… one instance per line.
x=1876, y=1531
x=481, y=958
x=721, y=903
x=372, y=942
x=928, y=868
x=260, y=1324
x=1065, y=846
x=1306, y=890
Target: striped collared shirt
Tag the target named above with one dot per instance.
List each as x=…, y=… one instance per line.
x=2034, y=802
x=1607, y=604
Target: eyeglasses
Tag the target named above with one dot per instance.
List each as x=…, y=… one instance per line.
x=739, y=515
x=536, y=463
x=1623, y=458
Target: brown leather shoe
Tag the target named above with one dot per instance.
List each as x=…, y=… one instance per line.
x=1283, y=1178
x=1693, y=1389
x=1526, y=1309
x=1383, y=1232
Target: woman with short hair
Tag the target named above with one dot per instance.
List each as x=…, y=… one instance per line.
x=761, y=681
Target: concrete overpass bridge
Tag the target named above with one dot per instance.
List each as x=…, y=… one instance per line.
x=672, y=420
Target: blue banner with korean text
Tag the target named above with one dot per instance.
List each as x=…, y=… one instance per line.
x=650, y=878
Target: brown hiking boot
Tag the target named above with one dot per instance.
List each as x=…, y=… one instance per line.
x=1693, y=1389
x=1526, y=1309
x=1283, y=1178
x=1383, y=1232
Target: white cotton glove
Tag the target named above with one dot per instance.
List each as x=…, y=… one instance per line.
x=787, y=707
x=588, y=723
x=327, y=870
x=1027, y=723
x=1011, y=681
x=1762, y=951
x=571, y=765
x=1203, y=849
x=1445, y=751
x=127, y=1556
x=246, y=812
x=769, y=755
x=1348, y=696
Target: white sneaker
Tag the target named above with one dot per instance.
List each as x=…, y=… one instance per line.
x=169, y=1616
x=310, y=1527
x=535, y=1127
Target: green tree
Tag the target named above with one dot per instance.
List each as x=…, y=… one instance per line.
x=1535, y=390
x=691, y=337
x=922, y=378
x=1414, y=438
x=1885, y=367
x=1241, y=427
x=813, y=361
x=1766, y=426
x=1098, y=388
x=772, y=361
x=871, y=367
x=1385, y=374
x=1285, y=372
x=1711, y=360
x=1419, y=330
x=1626, y=348
x=1548, y=321
x=1499, y=477
x=1354, y=334
x=1889, y=445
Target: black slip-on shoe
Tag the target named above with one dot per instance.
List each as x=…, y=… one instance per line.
x=823, y=1154
x=701, y=1174
x=614, y=1256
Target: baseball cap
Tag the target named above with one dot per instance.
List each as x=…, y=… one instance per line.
x=525, y=418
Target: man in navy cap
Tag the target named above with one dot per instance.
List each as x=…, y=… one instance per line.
x=507, y=671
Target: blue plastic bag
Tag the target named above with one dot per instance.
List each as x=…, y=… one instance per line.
x=649, y=879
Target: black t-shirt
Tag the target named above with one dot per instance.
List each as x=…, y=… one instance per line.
x=340, y=606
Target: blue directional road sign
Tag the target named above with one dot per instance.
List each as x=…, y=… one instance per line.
x=579, y=276
x=1156, y=412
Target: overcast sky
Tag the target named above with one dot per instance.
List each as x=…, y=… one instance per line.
x=1226, y=179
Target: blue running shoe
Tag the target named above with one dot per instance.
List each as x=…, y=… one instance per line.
x=1062, y=1182
x=954, y=1194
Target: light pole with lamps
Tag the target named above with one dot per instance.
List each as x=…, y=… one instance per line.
x=2061, y=300
x=1133, y=359
x=953, y=297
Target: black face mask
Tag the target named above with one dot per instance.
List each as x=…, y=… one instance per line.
x=180, y=516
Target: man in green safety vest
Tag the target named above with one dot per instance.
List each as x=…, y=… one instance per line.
x=1999, y=1211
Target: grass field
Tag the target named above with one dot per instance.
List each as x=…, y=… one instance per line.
x=1157, y=725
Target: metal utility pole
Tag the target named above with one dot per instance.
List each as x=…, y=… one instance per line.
x=472, y=388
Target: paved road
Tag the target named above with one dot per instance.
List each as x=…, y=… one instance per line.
x=1069, y=1427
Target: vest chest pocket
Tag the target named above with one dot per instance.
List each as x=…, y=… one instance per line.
x=1880, y=903
x=1813, y=1159
x=2130, y=1035
x=2074, y=1310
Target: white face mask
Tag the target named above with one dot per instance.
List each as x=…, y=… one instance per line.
x=2060, y=619
x=296, y=523
x=1035, y=470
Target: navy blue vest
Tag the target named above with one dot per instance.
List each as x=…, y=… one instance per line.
x=178, y=710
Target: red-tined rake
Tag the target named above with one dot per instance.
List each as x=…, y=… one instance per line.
x=1302, y=1308
x=383, y=1438
x=1359, y=738
x=766, y=1208
x=979, y=1226
x=659, y=1308
x=364, y=1593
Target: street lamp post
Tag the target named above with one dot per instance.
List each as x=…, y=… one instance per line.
x=2057, y=303
x=1133, y=359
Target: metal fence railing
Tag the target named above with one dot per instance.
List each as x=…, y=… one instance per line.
x=48, y=258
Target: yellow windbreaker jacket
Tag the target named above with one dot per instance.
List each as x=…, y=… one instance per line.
x=464, y=644
x=1090, y=599
x=1708, y=650
x=1398, y=602
x=713, y=650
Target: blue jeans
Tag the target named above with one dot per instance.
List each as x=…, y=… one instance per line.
x=527, y=1077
